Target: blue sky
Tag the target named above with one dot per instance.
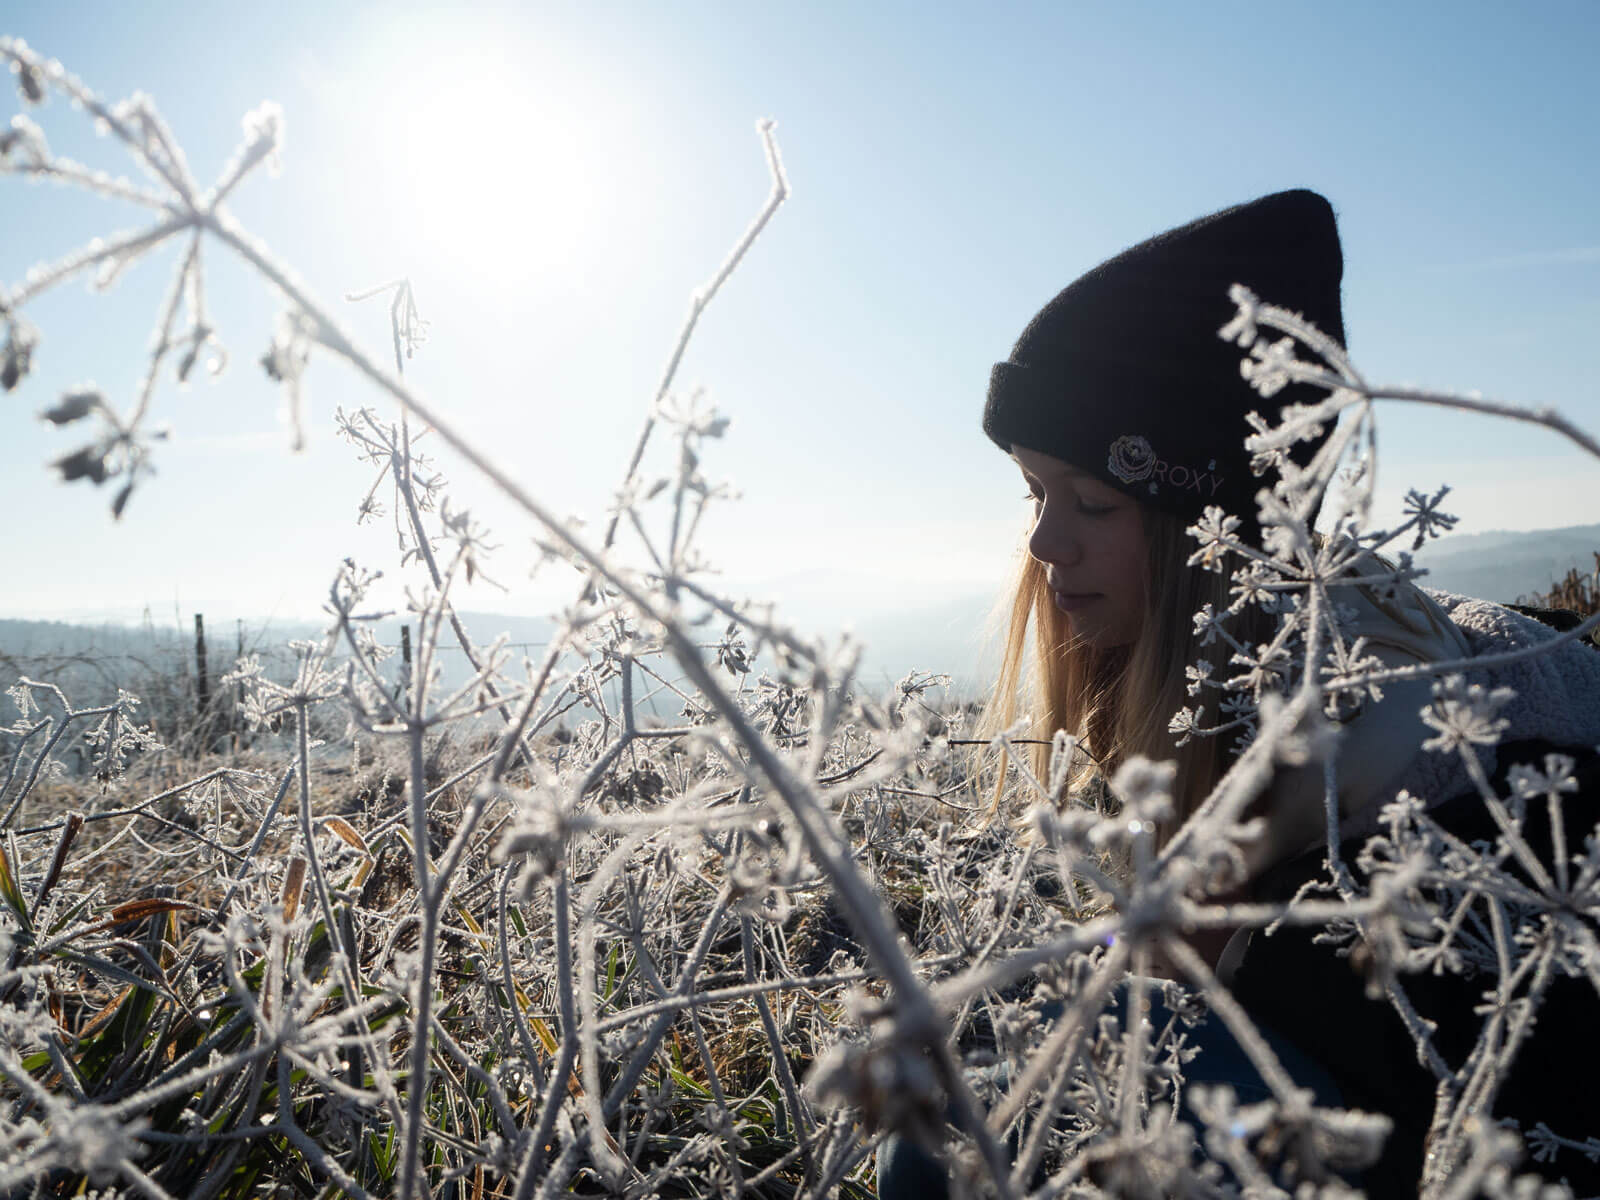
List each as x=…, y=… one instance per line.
x=557, y=179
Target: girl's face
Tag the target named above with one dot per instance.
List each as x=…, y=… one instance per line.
x=1089, y=538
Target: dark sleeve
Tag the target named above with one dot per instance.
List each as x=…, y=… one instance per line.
x=1317, y=996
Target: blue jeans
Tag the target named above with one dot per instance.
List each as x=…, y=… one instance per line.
x=908, y=1171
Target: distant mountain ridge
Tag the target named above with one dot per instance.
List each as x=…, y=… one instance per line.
x=1505, y=566
x=947, y=636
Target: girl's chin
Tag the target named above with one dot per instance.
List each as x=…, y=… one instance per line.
x=1076, y=604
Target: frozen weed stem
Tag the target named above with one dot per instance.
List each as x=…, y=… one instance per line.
x=598, y=951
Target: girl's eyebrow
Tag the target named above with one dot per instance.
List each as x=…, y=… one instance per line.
x=1066, y=470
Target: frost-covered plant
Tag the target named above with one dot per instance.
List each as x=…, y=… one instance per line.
x=604, y=951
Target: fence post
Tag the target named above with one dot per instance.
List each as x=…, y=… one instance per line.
x=202, y=680
x=404, y=685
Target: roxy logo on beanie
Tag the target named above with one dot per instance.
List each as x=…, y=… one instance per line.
x=1132, y=459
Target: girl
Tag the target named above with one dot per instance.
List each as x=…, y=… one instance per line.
x=1125, y=414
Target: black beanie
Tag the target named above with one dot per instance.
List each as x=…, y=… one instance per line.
x=1124, y=376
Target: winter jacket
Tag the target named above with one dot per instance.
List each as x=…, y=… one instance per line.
x=1317, y=996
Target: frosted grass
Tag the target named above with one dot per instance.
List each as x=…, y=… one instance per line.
x=604, y=952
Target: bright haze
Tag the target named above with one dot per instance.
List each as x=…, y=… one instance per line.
x=556, y=180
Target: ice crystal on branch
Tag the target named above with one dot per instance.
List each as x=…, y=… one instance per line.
x=1465, y=715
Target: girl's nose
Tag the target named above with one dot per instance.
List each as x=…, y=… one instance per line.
x=1054, y=540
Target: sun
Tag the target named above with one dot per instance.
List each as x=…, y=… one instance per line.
x=493, y=159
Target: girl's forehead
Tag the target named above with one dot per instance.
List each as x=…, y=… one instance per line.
x=1036, y=462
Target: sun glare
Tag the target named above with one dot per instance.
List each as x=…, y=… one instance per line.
x=497, y=165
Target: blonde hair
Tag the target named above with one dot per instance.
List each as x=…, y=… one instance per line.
x=1117, y=702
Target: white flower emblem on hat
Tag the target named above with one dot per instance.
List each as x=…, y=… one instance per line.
x=1131, y=458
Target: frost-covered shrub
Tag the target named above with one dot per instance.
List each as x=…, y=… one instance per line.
x=611, y=954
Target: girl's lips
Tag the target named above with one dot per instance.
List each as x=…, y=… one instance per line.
x=1072, y=602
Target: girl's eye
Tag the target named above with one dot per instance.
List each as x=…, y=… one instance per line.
x=1095, y=510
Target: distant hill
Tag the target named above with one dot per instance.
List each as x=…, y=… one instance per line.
x=1503, y=566
x=89, y=662
x=946, y=636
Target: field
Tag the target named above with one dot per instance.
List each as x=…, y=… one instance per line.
x=675, y=906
